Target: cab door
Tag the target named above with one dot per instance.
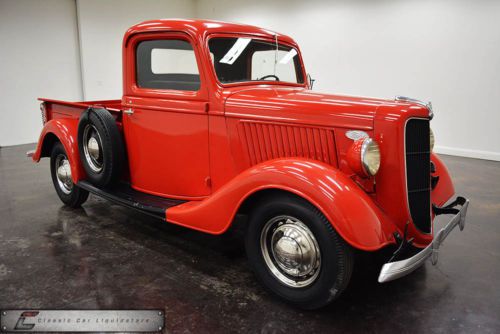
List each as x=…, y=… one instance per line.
x=165, y=122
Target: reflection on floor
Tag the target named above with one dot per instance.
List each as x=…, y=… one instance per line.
x=106, y=256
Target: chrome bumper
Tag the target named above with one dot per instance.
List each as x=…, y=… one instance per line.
x=394, y=270
x=30, y=154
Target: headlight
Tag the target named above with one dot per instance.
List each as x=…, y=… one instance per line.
x=431, y=135
x=363, y=157
x=370, y=156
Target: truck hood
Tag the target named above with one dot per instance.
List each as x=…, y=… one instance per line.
x=299, y=105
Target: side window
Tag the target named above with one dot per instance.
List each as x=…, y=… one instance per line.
x=167, y=64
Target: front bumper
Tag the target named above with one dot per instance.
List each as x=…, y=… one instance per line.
x=394, y=270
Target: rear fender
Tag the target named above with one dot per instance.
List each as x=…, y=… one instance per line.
x=349, y=209
x=65, y=129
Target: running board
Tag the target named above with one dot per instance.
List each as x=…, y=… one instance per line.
x=124, y=195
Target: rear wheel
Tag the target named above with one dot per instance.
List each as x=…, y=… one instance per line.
x=60, y=169
x=296, y=253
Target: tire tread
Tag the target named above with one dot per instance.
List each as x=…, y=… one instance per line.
x=112, y=142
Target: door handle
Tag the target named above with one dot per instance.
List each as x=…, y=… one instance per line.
x=129, y=111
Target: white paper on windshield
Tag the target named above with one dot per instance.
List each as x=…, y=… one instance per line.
x=233, y=53
x=289, y=55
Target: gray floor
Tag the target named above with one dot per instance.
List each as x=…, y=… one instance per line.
x=105, y=256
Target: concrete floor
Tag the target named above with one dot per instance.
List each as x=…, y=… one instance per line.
x=104, y=256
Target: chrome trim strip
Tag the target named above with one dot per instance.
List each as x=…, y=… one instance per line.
x=356, y=134
x=394, y=270
x=427, y=104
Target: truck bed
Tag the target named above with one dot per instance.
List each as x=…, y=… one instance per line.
x=57, y=108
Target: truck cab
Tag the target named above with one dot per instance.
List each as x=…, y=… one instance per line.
x=177, y=78
x=218, y=119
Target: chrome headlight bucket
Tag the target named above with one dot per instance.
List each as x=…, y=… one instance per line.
x=363, y=157
x=370, y=156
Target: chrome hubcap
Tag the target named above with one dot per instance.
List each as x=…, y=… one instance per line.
x=290, y=251
x=92, y=148
x=63, y=174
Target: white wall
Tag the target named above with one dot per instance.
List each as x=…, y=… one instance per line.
x=38, y=58
x=102, y=25
x=445, y=51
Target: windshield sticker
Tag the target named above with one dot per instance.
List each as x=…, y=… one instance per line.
x=233, y=53
x=289, y=55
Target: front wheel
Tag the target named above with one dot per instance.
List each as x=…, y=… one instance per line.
x=296, y=253
x=60, y=169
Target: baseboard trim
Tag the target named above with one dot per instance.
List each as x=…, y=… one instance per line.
x=462, y=152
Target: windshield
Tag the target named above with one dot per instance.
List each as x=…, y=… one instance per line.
x=247, y=59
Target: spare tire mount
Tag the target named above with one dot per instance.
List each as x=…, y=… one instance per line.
x=101, y=146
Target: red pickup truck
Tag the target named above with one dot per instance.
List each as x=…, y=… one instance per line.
x=219, y=119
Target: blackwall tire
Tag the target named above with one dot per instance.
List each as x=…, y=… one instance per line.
x=100, y=146
x=307, y=281
x=69, y=193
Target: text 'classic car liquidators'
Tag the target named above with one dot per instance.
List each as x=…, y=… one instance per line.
x=219, y=119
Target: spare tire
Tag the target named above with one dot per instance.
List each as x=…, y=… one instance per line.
x=101, y=147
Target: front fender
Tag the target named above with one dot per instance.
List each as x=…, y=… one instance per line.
x=444, y=189
x=65, y=129
x=349, y=209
